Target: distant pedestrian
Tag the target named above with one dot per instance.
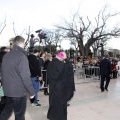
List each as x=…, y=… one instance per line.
x=105, y=72
x=33, y=41
x=114, y=69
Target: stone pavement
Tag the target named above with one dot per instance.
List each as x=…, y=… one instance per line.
x=89, y=103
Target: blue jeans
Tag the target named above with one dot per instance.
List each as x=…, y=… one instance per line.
x=36, y=87
x=18, y=105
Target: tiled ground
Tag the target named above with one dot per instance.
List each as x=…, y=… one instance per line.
x=89, y=103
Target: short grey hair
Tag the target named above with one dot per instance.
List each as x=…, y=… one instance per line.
x=18, y=40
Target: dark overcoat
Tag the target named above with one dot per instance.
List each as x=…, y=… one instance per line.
x=58, y=90
x=105, y=67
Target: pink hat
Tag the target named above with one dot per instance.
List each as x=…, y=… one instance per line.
x=60, y=55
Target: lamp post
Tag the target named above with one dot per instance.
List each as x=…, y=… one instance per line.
x=102, y=49
x=79, y=47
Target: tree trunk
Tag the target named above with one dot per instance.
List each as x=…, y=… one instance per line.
x=95, y=52
x=83, y=52
x=86, y=51
x=84, y=48
x=102, y=51
x=76, y=51
x=50, y=48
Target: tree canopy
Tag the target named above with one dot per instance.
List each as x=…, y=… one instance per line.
x=86, y=32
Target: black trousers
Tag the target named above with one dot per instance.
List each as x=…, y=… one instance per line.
x=114, y=74
x=45, y=82
x=103, y=78
x=45, y=89
x=18, y=105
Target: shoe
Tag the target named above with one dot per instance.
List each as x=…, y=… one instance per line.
x=106, y=89
x=33, y=104
x=42, y=90
x=102, y=90
x=37, y=104
x=46, y=93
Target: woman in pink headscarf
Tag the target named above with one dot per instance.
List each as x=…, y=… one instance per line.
x=56, y=73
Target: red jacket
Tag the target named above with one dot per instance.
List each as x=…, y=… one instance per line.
x=113, y=67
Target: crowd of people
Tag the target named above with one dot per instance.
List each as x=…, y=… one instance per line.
x=105, y=68
x=85, y=62
x=22, y=73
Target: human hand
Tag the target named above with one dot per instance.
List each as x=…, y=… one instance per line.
x=32, y=96
x=32, y=99
x=40, y=78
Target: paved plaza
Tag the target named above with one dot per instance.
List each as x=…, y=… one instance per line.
x=89, y=103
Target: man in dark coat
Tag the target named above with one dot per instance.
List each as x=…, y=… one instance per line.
x=105, y=72
x=59, y=92
x=16, y=81
x=69, y=79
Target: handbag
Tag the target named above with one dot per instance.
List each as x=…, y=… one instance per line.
x=1, y=91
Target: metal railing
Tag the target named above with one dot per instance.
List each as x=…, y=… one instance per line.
x=46, y=80
x=87, y=74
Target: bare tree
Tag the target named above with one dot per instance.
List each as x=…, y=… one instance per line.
x=53, y=39
x=99, y=43
x=14, y=30
x=28, y=36
x=24, y=31
x=50, y=39
x=58, y=38
x=86, y=31
x=3, y=26
x=75, y=44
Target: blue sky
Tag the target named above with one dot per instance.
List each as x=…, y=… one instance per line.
x=45, y=13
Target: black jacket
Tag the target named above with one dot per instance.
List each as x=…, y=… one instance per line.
x=69, y=79
x=34, y=66
x=61, y=88
x=44, y=70
x=16, y=74
x=105, y=67
x=2, y=53
x=41, y=62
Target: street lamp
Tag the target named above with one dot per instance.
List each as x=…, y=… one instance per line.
x=102, y=49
